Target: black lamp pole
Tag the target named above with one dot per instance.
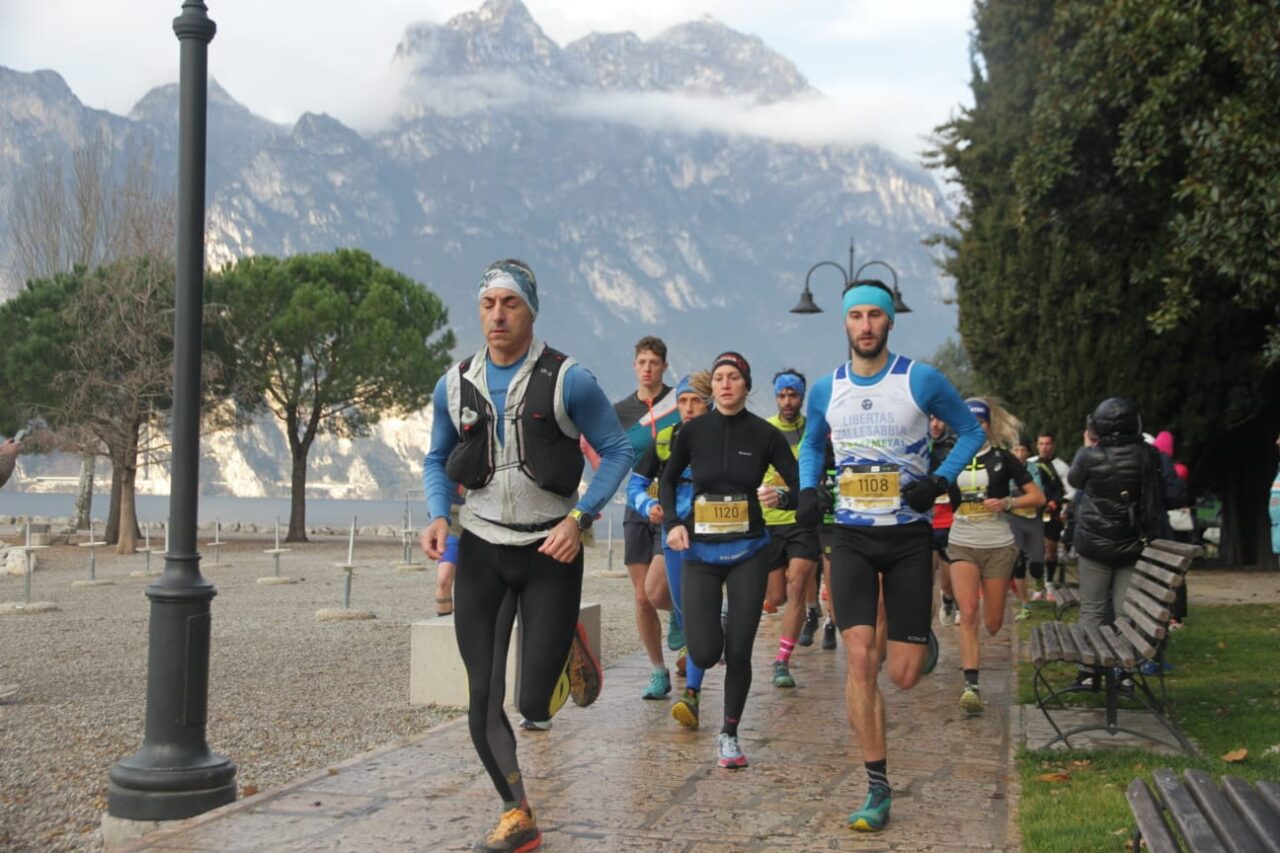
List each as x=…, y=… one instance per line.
x=849, y=276
x=174, y=775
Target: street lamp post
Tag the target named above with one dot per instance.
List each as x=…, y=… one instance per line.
x=174, y=775
x=848, y=276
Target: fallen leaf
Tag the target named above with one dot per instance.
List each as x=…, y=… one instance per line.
x=1221, y=644
x=1121, y=831
x=333, y=771
x=1084, y=762
x=1235, y=756
x=1053, y=777
x=248, y=790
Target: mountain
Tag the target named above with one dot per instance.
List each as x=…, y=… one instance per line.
x=592, y=162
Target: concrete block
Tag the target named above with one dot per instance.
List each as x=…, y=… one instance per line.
x=436, y=673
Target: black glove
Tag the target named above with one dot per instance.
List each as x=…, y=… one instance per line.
x=808, y=513
x=920, y=494
x=827, y=499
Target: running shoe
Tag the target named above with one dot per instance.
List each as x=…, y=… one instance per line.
x=1086, y=679
x=675, y=633
x=515, y=833
x=1150, y=667
x=810, y=628
x=829, y=635
x=659, y=685
x=586, y=676
x=1050, y=591
x=769, y=607
x=682, y=662
x=685, y=710
x=931, y=656
x=782, y=674
x=731, y=756
x=564, y=687
x=874, y=813
x=1023, y=614
x=535, y=725
x=944, y=614
x=971, y=700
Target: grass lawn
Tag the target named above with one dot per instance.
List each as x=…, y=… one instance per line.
x=1224, y=694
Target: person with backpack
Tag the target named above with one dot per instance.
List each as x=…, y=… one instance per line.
x=1122, y=493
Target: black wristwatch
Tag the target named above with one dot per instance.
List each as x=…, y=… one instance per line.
x=584, y=519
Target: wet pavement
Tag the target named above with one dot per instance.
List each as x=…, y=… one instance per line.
x=623, y=776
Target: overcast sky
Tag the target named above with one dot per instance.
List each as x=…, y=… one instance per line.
x=894, y=69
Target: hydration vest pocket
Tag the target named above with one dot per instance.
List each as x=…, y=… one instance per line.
x=471, y=463
x=550, y=458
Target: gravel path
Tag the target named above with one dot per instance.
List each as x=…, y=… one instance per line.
x=288, y=693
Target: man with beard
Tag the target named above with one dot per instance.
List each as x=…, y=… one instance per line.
x=875, y=408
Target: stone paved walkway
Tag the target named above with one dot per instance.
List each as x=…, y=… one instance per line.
x=623, y=776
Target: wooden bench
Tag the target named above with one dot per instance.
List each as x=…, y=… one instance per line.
x=1237, y=817
x=1118, y=651
x=1064, y=598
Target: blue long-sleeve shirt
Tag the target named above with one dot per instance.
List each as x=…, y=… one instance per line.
x=587, y=407
x=932, y=393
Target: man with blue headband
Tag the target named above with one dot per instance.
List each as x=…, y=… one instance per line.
x=507, y=426
x=875, y=408
x=793, y=548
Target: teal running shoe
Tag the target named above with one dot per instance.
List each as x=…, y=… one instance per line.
x=931, y=657
x=659, y=685
x=782, y=675
x=874, y=813
x=675, y=634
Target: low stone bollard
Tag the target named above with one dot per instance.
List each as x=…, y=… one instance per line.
x=436, y=673
x=40, y=533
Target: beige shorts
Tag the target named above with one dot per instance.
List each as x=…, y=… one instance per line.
x=992, y=563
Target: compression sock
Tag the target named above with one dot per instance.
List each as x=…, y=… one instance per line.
x=971, y=677
x=878, y=775
x=785, y=648
x=730, y=726
x=1051, y=571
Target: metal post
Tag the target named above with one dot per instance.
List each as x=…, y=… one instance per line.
x=174, y=775
x=609, y=565
x=346, y=590
x=26, y=579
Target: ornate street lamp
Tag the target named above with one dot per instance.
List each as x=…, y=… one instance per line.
x=174, y=775
x=848, y=277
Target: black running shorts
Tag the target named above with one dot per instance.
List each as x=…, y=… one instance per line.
x=790, y=542
x=899, y=557
x=941, y=536
x=641, y=541
x=1053, y=529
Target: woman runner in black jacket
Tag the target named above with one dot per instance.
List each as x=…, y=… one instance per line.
x=729, y=449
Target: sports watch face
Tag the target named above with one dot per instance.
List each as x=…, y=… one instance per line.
x=584, y=519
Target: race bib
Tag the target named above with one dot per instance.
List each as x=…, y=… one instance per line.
x=869, y=488
x=717, y=514
x=653, y=489
x=972, y=507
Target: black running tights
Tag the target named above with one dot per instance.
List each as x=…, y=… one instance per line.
x=493, y=583
x=746, y=583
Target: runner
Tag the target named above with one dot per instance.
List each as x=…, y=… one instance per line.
x=982, y=546
x=875, y=407
x=1058, y=495
x=693, y=397
x=793, y=548
x=643, y=415
x=729, y=450
x=1028, y=536
x=506, y=427
x=941, y=440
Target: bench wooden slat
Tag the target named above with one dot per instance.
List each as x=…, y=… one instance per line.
x=1173, y=580
x=1149, y=626
x=1037, y=647
x=1264, y=821
x=1234, y=834
x=1052, y=647
x=1178, y=562
x=1087, y=654
x=1185, y=550
x=1186, y=817
x=1066, y=596
x=1154, y=609
x=1106, y=656
x=1270, y=793
x=1124, y=649
x=1141, y=644
x=1160, y=592
x=1147, y=814
x=1069, y=650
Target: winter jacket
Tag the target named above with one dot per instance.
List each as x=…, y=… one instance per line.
x=1108, y=501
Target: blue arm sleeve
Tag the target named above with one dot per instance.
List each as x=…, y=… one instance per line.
x=935, y=395
x=436, y=484
x=638, y=493
x=591, y=410
x=813, y=446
